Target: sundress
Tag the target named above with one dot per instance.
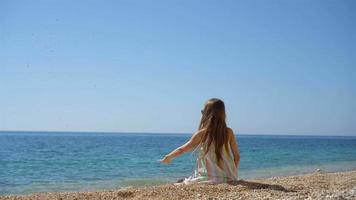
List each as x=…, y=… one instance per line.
x=207, y=169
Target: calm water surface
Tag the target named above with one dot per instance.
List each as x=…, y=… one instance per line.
x=65, y=161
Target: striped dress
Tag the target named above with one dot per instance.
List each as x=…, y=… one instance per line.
x=207, y=169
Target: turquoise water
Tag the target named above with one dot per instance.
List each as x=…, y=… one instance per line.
x=65, y=161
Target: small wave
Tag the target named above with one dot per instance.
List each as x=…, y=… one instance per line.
x=83, y=185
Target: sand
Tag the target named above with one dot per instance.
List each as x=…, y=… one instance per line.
x=318, y=185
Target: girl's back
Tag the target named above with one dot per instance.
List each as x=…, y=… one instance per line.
x=218, y=154
x=207, y=167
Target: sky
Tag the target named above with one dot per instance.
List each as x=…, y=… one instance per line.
x=281, y=67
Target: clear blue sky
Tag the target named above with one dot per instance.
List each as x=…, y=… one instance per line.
x=286, y=67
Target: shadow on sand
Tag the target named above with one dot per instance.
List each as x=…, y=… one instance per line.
x=255, y=185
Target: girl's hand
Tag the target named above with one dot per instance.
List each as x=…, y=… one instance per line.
x=166, y=160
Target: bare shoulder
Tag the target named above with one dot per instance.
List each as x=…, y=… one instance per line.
x=199, y=134
x=230, y=133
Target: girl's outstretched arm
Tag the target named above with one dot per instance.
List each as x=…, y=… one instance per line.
x=191, y=144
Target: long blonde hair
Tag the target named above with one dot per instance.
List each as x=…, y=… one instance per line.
x=213, y=120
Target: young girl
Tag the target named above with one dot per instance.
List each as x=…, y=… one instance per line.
x=218, y=153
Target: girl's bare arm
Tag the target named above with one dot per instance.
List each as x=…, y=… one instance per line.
x=234, y=147
x=191, y=144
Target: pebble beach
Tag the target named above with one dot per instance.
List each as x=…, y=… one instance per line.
x=317, y=185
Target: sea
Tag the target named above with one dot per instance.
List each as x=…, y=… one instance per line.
x=86, y=161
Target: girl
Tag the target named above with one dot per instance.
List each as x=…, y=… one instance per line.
x=218, y=153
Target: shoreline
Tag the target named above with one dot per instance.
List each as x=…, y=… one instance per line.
x=317, y=185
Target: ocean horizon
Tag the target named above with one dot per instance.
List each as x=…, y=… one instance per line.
x=55, y=161
x=183, y=133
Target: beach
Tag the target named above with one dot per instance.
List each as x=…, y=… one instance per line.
x=317, y=185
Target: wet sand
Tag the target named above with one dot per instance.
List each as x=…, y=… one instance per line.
x=318, y=185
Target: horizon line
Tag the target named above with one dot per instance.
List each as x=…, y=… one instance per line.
x=184, y=133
